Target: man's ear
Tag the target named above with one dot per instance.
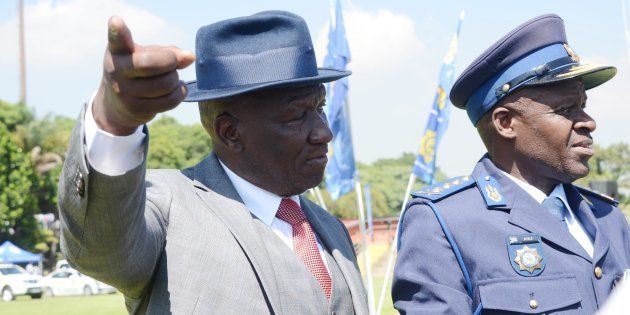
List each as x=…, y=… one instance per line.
x=226, y=128
x=503, y=121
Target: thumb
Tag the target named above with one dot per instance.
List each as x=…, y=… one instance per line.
x=119, y=36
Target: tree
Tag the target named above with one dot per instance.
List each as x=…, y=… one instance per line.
x=51, y=134
x=18, y=204
x=46, y=140
x=12, y=115
x=611, y=163
x=388, y=179
x=174, y=145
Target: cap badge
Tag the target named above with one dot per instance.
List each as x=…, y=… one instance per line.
x=571, y=53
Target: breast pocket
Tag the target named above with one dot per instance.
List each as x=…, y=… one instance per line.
x=535, y=295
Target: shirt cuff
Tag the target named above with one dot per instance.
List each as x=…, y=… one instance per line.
x=109, y=154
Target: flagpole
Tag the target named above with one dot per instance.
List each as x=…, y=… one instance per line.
x=366, y=252
x=392, y=249
x=312, y=192
x=440, y=104
x=318, y=194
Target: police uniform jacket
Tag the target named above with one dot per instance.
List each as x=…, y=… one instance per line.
x=491, y=220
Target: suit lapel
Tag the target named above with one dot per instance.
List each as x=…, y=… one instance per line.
x=585, y=215
x=329, y=232
x=218, y=193
x=531, y=216
x=528, y=214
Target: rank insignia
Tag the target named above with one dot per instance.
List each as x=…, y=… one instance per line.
x=526, y=256
x=491, y=192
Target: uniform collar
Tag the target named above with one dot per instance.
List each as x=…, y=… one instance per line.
x=537, y=194
x=534, y=192
x=559, y=192
x=261, y=203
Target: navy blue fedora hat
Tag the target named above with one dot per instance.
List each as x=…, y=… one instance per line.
x=534, y=53
x=264, y=50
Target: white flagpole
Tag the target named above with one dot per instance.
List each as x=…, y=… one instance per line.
x=318, y=194
x=312, y=191
x=392, y=250
x=366, y=252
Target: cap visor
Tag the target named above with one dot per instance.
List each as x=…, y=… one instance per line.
x=197, y=95
x=592, y=75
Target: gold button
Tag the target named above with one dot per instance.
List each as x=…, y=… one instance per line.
x=505, y=88
x=598, y=272
x=533, y=304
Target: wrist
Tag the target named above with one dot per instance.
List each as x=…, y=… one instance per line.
x=107, y=119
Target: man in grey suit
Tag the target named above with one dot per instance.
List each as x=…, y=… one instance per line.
x=230, y=235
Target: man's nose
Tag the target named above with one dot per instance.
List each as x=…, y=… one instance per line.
x=321, y=133
x=586, y=122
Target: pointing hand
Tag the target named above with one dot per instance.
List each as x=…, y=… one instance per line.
x=138, y=81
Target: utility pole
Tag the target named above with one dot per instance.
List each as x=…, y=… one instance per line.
x=22, y=54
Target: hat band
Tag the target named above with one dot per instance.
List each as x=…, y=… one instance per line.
x=246, y=69
x=538, y=63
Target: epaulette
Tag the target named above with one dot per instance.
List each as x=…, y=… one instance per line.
x=602, y=197
x=444, y=189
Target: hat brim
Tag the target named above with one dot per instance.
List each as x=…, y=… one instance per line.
x=592, y=75
x=198, y=95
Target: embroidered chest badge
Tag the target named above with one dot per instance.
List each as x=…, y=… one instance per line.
x=526, y=254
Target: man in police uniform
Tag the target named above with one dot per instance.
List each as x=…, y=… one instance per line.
x=516, y=235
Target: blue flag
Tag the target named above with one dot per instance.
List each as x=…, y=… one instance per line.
x=340, y=171
x=424, y=166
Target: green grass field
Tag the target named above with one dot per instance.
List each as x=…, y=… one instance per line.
x=110, y=304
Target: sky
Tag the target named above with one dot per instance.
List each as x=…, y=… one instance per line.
x=396, y=47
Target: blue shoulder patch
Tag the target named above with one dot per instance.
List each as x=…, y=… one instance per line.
x=444, y=189
x=587, y=194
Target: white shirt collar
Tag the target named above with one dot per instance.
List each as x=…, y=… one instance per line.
x=259, y=202
x=537, y=194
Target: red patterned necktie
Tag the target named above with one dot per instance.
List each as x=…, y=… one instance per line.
x=304, y=244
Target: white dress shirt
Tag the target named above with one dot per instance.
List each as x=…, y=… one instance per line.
x=264, y=205
x=573, y=224
x=109, y=154
x=115, y=155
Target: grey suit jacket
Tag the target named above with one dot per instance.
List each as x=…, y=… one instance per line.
x=181, y=241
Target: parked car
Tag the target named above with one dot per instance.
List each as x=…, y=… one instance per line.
x=68, y=281
x=62, y=264
x=14, y=281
